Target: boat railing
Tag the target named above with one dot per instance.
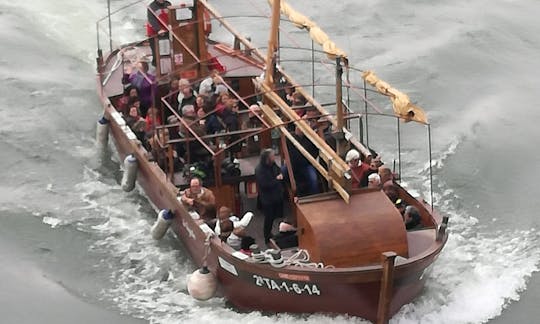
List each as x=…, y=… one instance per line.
x=108, y=18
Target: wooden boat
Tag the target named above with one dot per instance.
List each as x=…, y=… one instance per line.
x=372, y=264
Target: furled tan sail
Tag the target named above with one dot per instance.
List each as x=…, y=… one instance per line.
x=315, y=32
x=400, y=101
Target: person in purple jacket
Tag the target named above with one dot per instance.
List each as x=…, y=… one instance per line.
x=144, y=82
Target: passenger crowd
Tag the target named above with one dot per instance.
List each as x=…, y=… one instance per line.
x=211, y=109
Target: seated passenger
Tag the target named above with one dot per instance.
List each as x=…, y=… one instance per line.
x=229, y=115
x=186, y=96
x=358, y=169
x=213, y=123
x=208, y=85
x=245, y=245
x=373, y=168
x=298, y=100
x=145, y=83
x=197, y=152
x=391, y=191
x=200, y=199
x=201, y=116
x=226, y=229
x=172, y=98
x=221, y=103
x=132, y=102
x=226, y=213
x=136, y=123
x=412, y=218
x=377, y=160
x=286, y=238
x=153, y=119
x=289, y=91
x=386, y=175
x=199, y=102
x=234, y=236
x=159, y=154
x=122, y=104
x=374, y=181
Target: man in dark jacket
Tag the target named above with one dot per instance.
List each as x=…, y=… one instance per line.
x=158, y=18
x=305, y=174
x=268, y=176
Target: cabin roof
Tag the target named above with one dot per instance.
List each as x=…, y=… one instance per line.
x=354, y=234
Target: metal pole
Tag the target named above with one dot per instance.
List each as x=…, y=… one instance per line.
x=399, y=147
x=340, y=143
x=110, y=24
x=339, y=95
x=430, y=167
x=278, y=51
x=97, y=35
x=365, y=110
x=312, y=70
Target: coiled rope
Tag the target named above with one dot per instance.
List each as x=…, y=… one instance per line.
x=299, y=259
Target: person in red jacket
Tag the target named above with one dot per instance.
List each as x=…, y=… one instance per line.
x=158, y=18
x=358, y=168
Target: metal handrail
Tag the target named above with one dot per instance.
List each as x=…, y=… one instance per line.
x=108, y=16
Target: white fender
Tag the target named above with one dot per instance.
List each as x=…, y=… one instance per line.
x=102, y=135
x=202, y=284
x=162, y=224
x=130, y=173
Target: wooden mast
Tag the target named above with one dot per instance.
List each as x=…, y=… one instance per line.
x=272, y=43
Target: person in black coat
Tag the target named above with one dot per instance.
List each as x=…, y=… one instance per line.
x=269, y=183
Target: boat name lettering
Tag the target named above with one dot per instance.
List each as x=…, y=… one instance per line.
x=299, y=288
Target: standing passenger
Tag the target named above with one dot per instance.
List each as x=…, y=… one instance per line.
x=268, y=177
x=144, y=82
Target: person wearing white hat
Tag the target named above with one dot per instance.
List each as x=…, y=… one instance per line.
x=374, y=181
x=358, y=168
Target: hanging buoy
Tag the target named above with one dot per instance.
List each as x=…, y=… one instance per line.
x=102, y=135
x=202, y=284
x=162, y=224
x=130, y=173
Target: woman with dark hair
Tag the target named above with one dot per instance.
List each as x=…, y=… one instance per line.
x=129, y=93
x=132, y=102
x=268, y=177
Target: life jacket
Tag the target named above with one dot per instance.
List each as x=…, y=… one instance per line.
x=163, y=14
